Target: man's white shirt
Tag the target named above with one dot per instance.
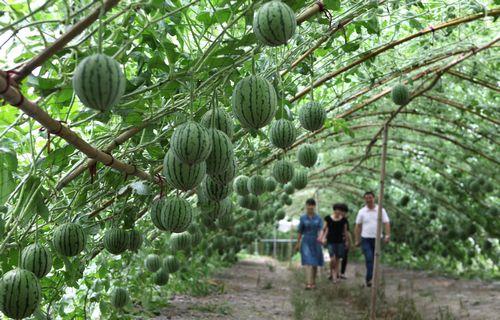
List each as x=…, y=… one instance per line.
x=368, y=219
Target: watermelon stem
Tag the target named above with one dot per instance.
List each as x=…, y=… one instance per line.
x=101, y=14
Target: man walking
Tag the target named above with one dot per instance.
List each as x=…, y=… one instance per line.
x=366, y=231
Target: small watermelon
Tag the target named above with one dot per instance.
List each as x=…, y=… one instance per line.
x=225, y=221
x=254, y=102
x=398, y=175
x=280, y=214
x=228, y=175
x=312, y=116
x=161, y=277
x=270, y=184
x=215, y=209
x=283, y=171
x=282, y=133
x=37, y=259
x=180, y=175
x=172, y=214
x=249, y=201
x=286, y=199
x=135, y=240
x=215, y=191
x=69, y=239
x=289, y=188
x=256, y=184
x=116, y=240
x=300, y=180
x=152, y=262
x=400, y=94
x=191, y=143
x=171, y=264
x=99, y=82
x=222, y=153
x=180, y=241
x=218, y=119
x=241, y=185
x=20, y=293
x=119, y=297
x=274, y=23
x=307, y=155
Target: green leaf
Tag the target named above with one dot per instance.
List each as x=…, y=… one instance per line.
x=332, y=5
x=351, y=46
x=8, y=166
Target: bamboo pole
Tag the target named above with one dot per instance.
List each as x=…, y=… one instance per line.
x=376, y=266
x=14, y=97
x=310, y=11
x=480, y=82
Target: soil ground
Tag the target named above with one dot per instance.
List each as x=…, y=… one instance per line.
x=262, y=288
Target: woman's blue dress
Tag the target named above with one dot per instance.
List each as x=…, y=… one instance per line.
x=311, y=251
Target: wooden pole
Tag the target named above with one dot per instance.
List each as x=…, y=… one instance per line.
x=376, y=266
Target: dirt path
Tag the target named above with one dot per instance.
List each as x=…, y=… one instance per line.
x=261, y=288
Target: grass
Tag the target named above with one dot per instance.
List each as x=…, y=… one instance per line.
x=222, y=309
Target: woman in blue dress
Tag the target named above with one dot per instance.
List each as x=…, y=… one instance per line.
x=311, y=251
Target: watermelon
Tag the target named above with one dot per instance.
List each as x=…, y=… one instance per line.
x=116, y=240
x=280, y=214
x=135, y=240
x=274, y=23
x=99, y=82
x=398, y=175
x=257, y=185
x=249, y=201
x=171, y=264
x=283, y=171
x=222, y=153
x=312, y=116
x=180, y=175
x=241, y=185
x=307, y=155
x=215, y=191
x=289, y=188
x=285, y=199
x=119, y=297
x=191, y=143
x=282, y=133
x=270, y=184
x=152, y=262
x=400, y=94
x=220, y=120
x=404, y=200
x=69, y=239
x=299, y=180
x=180, y=241
x=37, y=259
x=226, y=221
x=161, y=277
x=20, y=293
x=172, y=214
x=254, y=102
x=196, y=237
x=228, y=175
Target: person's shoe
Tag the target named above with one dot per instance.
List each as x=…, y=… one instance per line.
x=343, y=277
x=369, y=284
x=330, y=277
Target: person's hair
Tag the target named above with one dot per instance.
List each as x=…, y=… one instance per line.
x=341, y=206
x=369, y=192
x=311, y=202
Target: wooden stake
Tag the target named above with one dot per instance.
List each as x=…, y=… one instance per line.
x=376, y=267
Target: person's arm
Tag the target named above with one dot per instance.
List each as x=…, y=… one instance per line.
x=387, y=237
x=357, y=234
x=323, y=234
x=346, y=235
x=297, y=245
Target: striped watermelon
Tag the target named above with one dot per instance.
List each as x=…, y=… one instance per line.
x=285, y=199
x=180, y=241
x=228, y=175
x=300, y=180
x=196, y=237
x=282, y=133
x=135, y=240
x=274, y=23
x=115, y=240
x=215, y=209
x=280, y=214
x=191, y=143
x=180, y=175
x=119, y=297
x=161, y=277
x=307, y=155
x=171, y=264
x=20, y=293
x=69, y=239
x=400, y=94
x=254, y=102
x=222, y=153
x=215, y=191
x=220, y=120
x=289, y=188
x=99, y=82
x=257, y=185
x=152, y=262
x=172, y=214
x=283, y=171
x=241, y=185
x=37, y=259
x=249, y=201
x=226, y=221
x=270, y=184
x=312, y=116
